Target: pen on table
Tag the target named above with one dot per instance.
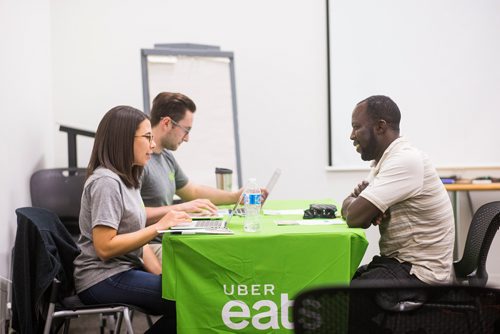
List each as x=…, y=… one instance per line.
x=178, y=231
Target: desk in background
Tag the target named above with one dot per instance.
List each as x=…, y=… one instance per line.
x=246, y=282
x=456, y=189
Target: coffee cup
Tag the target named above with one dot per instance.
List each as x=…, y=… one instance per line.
x=224, y=178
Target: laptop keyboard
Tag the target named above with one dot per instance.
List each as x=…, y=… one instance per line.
x=240, y=212
x=210, y=223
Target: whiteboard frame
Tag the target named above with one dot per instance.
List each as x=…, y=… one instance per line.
x=194, y=50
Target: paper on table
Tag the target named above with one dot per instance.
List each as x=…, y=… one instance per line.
x=198, y=231
x=337, y=221
x=283, y=212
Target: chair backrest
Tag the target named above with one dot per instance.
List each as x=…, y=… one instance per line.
x=326, y=310
x=43, y=250
x=59, y=190
x=482, y=230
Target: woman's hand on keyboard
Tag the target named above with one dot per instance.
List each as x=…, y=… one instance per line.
x=172, y=218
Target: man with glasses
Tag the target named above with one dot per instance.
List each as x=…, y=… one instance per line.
x=171, y=121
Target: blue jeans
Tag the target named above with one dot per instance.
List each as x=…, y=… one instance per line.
x=138, y=288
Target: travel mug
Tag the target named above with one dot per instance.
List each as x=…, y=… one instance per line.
x=224, y=178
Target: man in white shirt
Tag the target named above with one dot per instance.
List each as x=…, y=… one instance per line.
x=405, y=197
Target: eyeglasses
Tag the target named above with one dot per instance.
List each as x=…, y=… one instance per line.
x=148, y=136
x=186, y=131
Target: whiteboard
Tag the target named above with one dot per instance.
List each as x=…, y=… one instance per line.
x=438, y=60
x=206, y=75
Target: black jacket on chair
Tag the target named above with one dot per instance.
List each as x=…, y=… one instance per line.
x=43, y=250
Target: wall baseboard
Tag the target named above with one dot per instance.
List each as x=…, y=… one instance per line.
x=494, y=280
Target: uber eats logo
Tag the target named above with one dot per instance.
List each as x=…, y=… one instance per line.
x=262, y=314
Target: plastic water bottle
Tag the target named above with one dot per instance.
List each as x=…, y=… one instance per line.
x=252, y=197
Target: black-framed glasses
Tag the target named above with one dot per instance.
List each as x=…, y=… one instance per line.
x=186, y=130
x=148, y=136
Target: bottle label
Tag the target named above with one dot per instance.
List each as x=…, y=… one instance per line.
x=253, y=199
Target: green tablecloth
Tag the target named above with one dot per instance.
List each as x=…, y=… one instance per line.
x=246, y=282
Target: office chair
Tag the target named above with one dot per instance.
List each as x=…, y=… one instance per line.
x=326, y=310
x=60, y=190
x=471, y=268
x=43, y=288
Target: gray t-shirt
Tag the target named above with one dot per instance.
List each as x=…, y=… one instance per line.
x=107, y=201
x=162, y=176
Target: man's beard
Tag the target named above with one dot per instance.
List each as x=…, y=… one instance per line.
x=368, y=152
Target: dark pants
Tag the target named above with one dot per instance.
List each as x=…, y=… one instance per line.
x=137, y=288
x=381, y=272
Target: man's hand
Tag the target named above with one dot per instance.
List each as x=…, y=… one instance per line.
x=359, y=188
x=264, y=193
x=359, y=212
x=197, y=205
x=352, y=196
x=378, y=219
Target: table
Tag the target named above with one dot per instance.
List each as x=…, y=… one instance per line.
x=456, y=188
x=246, y=282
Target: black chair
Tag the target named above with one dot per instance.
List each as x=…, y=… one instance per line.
x=43, y=288
x=471, y=268
x=59, y=190
x=326, y=310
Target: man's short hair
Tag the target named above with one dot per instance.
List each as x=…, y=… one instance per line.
x=382, y=107
x=173, y=105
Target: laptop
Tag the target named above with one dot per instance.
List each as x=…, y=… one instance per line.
x=270, y=185
x=204, y=226
x=214, y=224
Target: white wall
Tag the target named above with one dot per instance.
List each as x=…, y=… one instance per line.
x=26, y=137
x=280, y=62
x=280, y=59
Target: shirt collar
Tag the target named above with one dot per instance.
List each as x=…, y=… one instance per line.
x=397, y=142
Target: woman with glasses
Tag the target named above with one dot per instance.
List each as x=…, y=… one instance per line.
x=115, y=264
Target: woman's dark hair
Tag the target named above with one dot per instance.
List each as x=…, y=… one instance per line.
x=114, y=144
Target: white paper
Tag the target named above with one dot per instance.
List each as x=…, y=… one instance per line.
x=283, y=212
x=337, y=221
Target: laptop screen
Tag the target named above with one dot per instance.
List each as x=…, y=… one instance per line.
x=272, y=182
x=269, y=187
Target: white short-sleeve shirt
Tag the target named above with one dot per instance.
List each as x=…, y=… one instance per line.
x=419, y=226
